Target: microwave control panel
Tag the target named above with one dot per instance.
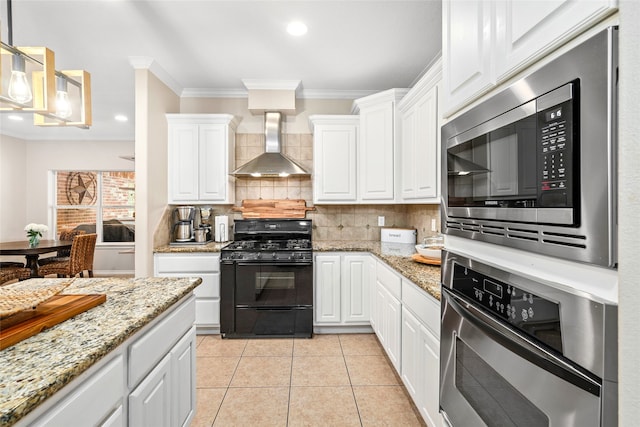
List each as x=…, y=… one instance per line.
x=555, y=155
x=527, y=312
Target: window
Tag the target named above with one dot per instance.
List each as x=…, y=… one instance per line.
x=99, y=202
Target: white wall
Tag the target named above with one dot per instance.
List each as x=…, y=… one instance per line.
x=13, y=188
x=629, y=207
x=153, y=100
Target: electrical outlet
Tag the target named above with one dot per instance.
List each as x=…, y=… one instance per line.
x=433, y=224
x=380, y=221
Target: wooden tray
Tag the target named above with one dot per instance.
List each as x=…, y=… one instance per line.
x=425, y=260
x=56, y=309
x=273, y=208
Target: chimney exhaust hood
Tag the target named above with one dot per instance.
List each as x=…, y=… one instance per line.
x=272, y=163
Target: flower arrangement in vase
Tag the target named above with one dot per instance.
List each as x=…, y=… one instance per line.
x=34, y=233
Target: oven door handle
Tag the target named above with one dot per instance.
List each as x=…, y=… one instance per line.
x=522, y=345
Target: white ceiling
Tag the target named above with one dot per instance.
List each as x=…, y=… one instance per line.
x=208, y=47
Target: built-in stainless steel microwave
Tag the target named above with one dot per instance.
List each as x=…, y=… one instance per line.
x=534, y=166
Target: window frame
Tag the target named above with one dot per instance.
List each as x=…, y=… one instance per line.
x=98, y=207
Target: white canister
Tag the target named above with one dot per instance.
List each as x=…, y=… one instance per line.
x=221, y=231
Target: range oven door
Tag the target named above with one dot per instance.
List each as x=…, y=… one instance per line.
x=274, y=284
x=493, y=376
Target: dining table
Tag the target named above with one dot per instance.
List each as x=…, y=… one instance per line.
x=32, y=253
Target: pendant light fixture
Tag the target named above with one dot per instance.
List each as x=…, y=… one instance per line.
x=29, y=83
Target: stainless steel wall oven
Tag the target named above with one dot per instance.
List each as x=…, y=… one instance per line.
x=519, y=352
x=534, y=166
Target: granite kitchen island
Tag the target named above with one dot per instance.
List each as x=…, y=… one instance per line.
x=98, y=366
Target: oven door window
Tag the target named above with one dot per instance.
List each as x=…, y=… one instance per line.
x=496, y=168
x=496, y=401
x=274, y=285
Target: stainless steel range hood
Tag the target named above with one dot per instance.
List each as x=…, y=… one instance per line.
x=272, y=163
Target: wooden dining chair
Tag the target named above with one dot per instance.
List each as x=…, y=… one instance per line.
x=80, y=259
x=9, y=273
x=63, y=254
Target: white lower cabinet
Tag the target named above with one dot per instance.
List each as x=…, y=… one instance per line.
x=166, y=396
x=149, y=380
x=342, y=285
x=388, y=312
x=205, y=266
x=97, y=401
x=421, y=351
x=150, y=402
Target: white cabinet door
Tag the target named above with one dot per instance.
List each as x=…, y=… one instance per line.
x=427, y=154
x=429, y=395
x=408, y=154
x=183, y=162
x=375, y=161
x=530, y=28
x=150, y=402
x=201, y=151
x=467, y=46
x=392, y=320
x=377, y=313
x=419, y=145
x=327, y=289
x=335, y=140
x=355, y=288
x=183, y=371
x=211, y=160
x=411, y=348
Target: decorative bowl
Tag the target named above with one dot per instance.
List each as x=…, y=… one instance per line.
x=429, y=251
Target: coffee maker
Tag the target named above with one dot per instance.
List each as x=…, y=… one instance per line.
x=205, y=222
x=183, y=217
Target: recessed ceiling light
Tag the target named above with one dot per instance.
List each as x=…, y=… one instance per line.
x=297, y=28
x=15, y=118
x=121, y=118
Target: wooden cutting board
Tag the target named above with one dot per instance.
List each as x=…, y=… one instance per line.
x=56, y=309
x=273, y=208
x=425, y=260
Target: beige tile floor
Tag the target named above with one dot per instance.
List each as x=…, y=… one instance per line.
x=329, y=380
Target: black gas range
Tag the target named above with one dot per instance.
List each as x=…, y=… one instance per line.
x=266, y=280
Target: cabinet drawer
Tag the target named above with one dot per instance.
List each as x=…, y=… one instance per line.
x=146, y=352
x=209, y=288
x=389, y=279
x=93, y=402
x=422, y=305
x=180, y=263
x=208, y=312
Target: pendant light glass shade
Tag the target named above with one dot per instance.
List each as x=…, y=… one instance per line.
x=19, y=87
x=63, y=105
x=74, y=92
x=27, y=79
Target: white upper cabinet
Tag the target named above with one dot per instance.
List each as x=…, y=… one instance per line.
x=376, y=158
x=485, y=42
x=419, y=142
x=201, y=155
x=467, y=44
x=335, y=147
x=531, y=28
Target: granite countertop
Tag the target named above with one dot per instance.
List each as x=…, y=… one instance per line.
x=190, y=248
x=397, y=256
x=37, y=367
